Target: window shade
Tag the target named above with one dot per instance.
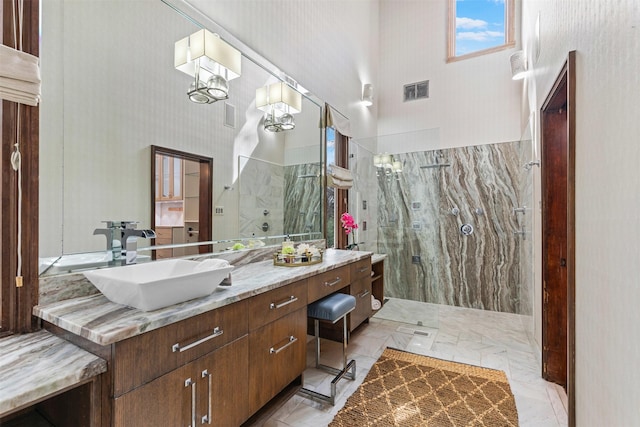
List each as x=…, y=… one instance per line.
x=19, y=76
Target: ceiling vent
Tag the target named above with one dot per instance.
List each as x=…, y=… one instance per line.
x=414, y=91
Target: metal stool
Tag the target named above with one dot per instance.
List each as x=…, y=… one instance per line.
x=332, y=309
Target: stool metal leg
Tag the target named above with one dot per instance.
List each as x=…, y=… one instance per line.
x=348, y=369
x=316, y=323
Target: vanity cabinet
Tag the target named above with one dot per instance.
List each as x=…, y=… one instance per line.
x=143, y=358
x=277, y=341
x=377, y=280
x=361, y=289
x=353, y=279
x=211, y=390
x=188, y=370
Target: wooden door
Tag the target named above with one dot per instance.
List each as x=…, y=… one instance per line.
x=554, y=226
x=558, y=233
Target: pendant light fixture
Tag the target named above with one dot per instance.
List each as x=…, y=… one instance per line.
x=212, y=63
x=280, y=101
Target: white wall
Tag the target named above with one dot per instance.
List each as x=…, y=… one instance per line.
x=471, y=102
x=605, y=34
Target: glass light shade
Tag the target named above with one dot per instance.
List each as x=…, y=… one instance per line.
x=286, y=122
x=199, y=94
x=214, y=56
x=218, y=87
x=377, y=160
x=397, y=166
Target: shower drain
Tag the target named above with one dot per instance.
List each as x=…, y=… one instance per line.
x=413, y=331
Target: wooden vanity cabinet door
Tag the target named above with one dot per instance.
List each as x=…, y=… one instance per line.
x=226, y=393
x=145, y=357
x=166, y=401
x=214, y=386
x=275, y=361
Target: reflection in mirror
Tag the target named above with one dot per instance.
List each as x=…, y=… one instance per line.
x=268, y=191
x=181, y=207
x=96, y=142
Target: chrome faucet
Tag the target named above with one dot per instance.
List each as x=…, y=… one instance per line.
x=129, y=241
x=112, y=233
x=122, y=239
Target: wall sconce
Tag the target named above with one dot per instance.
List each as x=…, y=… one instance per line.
x=280, y=101
x=367, y=95
x=518, y=65
x=387, y=165
x=212, y=63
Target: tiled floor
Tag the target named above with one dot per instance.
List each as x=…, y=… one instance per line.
x=493, y=340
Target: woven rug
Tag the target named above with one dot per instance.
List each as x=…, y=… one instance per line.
x=406, y=389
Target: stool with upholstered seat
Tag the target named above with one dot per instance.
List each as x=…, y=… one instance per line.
x=331, y=309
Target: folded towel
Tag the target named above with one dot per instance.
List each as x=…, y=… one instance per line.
x=375, y=304
x=19, y=76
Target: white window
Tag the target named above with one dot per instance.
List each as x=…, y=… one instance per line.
x=477, y=27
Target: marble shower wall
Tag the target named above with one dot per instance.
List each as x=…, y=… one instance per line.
x=261, y=188
x=303, y=198
x=420, y=216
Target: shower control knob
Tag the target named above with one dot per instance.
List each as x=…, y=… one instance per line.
x=466, y=229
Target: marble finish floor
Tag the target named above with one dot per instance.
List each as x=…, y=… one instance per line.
x=489, y=339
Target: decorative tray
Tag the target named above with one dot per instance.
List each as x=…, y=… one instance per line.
x=294, y=260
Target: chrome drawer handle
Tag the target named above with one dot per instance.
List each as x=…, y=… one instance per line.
x=291, y=299
x=364, y=294
x=206, y=419
x=292, y=339
x=188, y=382
x=216, y=333
x=335, y=282
x=362, y=270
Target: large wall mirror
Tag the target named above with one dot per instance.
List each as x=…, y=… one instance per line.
x=111, y=92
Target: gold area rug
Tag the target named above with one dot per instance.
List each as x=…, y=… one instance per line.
x=406, y=389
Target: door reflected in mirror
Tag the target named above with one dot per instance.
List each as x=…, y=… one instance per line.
x=181, y=208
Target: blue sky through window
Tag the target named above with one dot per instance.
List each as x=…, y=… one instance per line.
x=479, y=25
x=331, y=146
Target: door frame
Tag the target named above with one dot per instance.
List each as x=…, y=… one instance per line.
x=564, y=90
x=205, y=200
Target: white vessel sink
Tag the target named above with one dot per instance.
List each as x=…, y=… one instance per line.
x=158, y=284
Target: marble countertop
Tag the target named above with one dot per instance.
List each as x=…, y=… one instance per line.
x=377, y=258
x=35, y=366
x=101, y=321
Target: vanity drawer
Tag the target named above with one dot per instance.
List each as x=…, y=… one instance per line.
x=277, y=356
x=361, y=269
x=142, y=358
x=328, y=282
x=274, y=304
